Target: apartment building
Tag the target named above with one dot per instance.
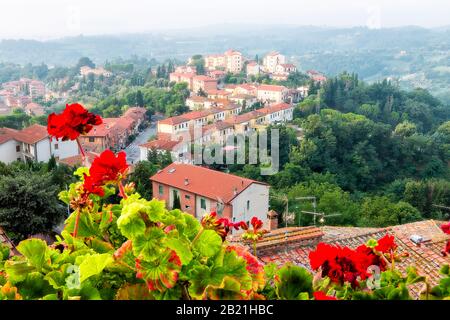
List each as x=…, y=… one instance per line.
x=204, y=83
x=272, y=93
x=234, y=61
x=33, y=143
x=182, y=77
x=253, y=68
x=271, y=60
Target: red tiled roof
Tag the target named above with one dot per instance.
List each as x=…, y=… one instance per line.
x=160, y=144
x=270, y=87
x=174, y=120
x=77, y=160
x=32, y=134
x=275, y=108
x=218, y=92
x=7, y=134
x=135, y=113
x=426, y=257
x=202, y=181
x=245, y=117
x=198, y=99
x=104, y=129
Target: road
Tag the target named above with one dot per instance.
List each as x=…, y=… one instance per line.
x=133, y=149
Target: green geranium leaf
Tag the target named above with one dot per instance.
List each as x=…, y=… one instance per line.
x=35, y=250
x=229, y=289
x=130, y=223
x=149, y=246
x=291, y=281
x=181, y=247
x=93, y=265
x=17, y=270
x=87, y=227
x=208, y=243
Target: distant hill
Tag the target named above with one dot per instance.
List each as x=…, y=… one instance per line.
x=416, y=56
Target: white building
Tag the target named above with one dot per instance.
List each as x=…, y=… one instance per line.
x=33, y=143
x=271, y=60
x=272, y=93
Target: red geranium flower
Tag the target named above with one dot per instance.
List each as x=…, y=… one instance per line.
x=221, y=225
x=446, y=228
x=386, y=244
x=341, y=264
x=72, y=122
x=108, y=168
x=256, y=223
x=91, y=186
x=319, y=295
x=446, y=249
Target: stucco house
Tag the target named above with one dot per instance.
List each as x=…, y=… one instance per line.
x=201, y=190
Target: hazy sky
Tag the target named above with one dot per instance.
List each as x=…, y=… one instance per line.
x=56, y=18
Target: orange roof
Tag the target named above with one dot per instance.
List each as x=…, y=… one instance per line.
x=32, y=134
x=245, y=117
x=7, y=134
x=135, y=112
x=246, y=86
x=216, y=92
x=270, y=87
x=160, y=144
x=77, y=160
x=174, y=120
x=205, y=182
x=275, y=108
x=197, y=99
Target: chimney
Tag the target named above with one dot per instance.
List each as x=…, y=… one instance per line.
x=186, y=181
x=272, y=216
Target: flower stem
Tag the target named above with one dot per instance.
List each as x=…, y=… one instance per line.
x=122, y=191
x=83, y=154
x=254, y=249
x=77, y=220
x=197, y=236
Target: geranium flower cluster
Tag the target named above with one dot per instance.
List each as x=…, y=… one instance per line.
x=256, y=232
x=342, y=264
x=221, y=225
x=72, y=122
x=107, y=168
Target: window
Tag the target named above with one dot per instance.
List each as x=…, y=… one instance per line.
x=187, y=207
x=17, y=148
x=161, y=190
x=56, y=146
x=203, y=203
x=248, y=204
x=187, y=197
x=91, y=139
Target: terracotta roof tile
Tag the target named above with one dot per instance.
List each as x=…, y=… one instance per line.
x=220, y=185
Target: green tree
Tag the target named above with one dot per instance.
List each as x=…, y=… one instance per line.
x=32, y=198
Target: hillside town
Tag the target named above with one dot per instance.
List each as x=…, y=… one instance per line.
x=208, y=102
